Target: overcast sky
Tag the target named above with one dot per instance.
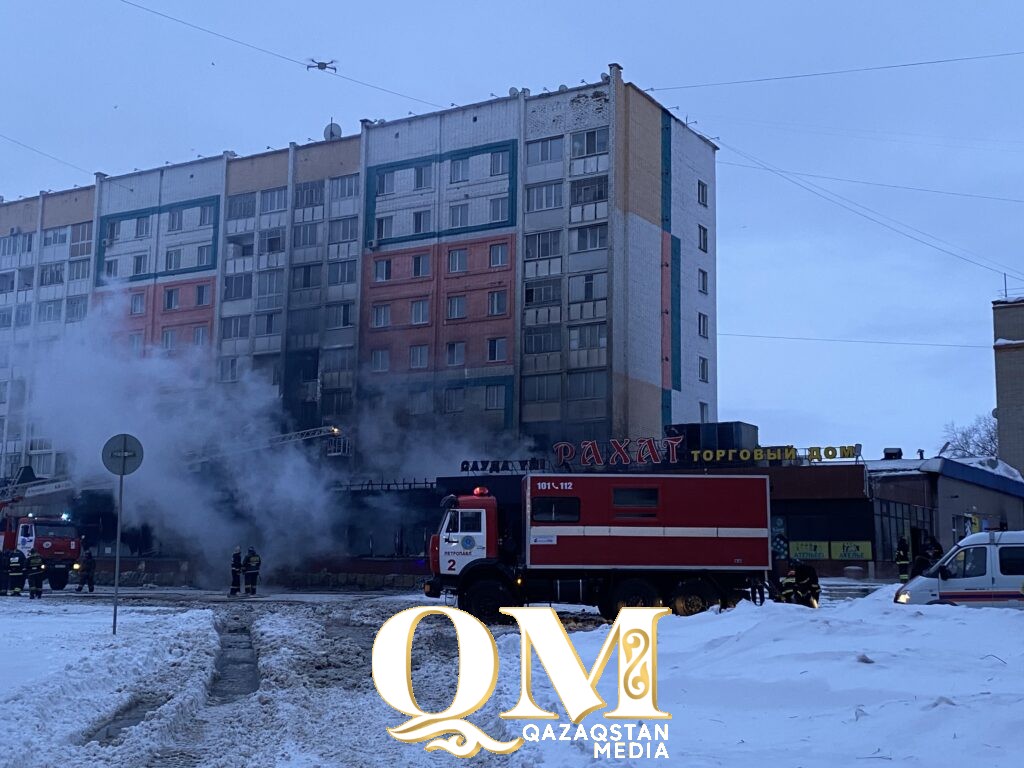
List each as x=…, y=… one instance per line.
x=106, y=86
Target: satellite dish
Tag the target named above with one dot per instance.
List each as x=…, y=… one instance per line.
x=604, y=77
x=563, y=88
x=513, y=92
x=332, y=131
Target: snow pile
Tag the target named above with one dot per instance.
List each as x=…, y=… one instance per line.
x=991, y=464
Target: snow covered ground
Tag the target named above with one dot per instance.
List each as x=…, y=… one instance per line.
x=852, y=684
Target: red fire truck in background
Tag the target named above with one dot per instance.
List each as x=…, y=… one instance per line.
x=54, y=537
x=613, y=540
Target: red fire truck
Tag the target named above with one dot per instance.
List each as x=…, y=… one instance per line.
x=685, y=541
x=54, y=537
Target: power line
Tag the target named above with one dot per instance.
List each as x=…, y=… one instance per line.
x=858, y=341
x=830, y=72
x=275, y=54
x=30, y=148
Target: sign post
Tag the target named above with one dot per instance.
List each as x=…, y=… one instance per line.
x=122, y=455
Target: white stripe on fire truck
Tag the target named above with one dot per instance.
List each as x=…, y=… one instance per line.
x=631, y=530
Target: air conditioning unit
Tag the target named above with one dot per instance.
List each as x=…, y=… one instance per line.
x=372, y=245
x=107, y=242
x=15, y=231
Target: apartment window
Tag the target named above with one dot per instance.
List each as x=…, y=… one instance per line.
x=345, y=186
x=702, y=324
x=592, y=190
x=381, y=270
x=242, y=206
x=383, y=229
x=455, y=400
x=458, y=215
x=702, y=280
x=421, y=265
x=587, y=143
x=542, y=339
x=55, y=236
x=200, y=335
x=6, y=318
x=495, y=397
x=110, y=268
x=343, y=230
x=77, y=270
x=308, y=276
x=202, y=295
x=421, y=222
x=544, y=245
x=76, y=309
x=81, y=239
x=385, y=183
x=139, y=264
x=594, y=336
x=381, y=315
x=499, y=255
x=172, y=259
x=22, y=315
x=419, y=311
x=544, y=151
x=135, y=344
x=587, y=385
x=380, y=360
x=170, y=338
x=541, y=389
x=423, y=176
x=304, y=321
x=420, y=403
x=702, y=193
x=588, y=287
x=499, y=163
x=702, y=237
x=113, y=230
x=341, y=272
x=7, y=282
x=174, y=220
x=497, y=302
x=229, y=369
x=170, y=298
x=205, y=215
x=305, y=235
x=702, y=369
x=458, y=260
x=238, y=287
x=309, y=193
x=51, y=274
x=49, y=311
x=542, y=292
x=204, y=255
x=268, y=324
x=589, y=238
x=499, y=209
x=418, y=356
x=138, y=303
x=456, y=307
x=460, y=170
x=542, y=197
x=705, y=413
x=339, y=315
x=497, y=350
x=235, y=327
x=272, y=240
x=274, y=200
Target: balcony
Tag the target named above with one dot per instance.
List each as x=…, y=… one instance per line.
x=582, y=166
x=588, y=310
x=588, y=212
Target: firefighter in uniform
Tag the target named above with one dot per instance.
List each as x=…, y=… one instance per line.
x=807, y=589
x=3, y=572
x=16, y=571
x=87, y=575
x=903, y=559
x=788, y=591
x=35, y=575
x=236, y=571
x=252, y=571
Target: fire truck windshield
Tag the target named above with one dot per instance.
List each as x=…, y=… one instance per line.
x=56, y=530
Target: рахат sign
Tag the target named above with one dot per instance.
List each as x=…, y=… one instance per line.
x=670, y=450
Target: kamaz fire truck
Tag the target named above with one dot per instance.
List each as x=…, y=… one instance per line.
x=684, y=541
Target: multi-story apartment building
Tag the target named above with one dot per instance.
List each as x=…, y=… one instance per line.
x=1008, y=328
x=541, y=264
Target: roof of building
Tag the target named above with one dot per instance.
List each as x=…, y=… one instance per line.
x=985, y=471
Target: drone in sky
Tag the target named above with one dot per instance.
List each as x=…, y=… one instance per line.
x=322, y=65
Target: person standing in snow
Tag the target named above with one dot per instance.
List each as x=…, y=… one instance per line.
x=807, y=590
x=903, y=560
x=252, y=571
x=756, y=583
x=3, y=572
x=16, y=571
x=87, y=574
x=933, y=550
x=236, y=571
x=787, y=593
x=35, y=575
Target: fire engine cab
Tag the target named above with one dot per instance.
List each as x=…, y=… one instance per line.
x=685, y=541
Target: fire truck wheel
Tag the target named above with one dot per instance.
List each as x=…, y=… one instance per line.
x=58, y=581
x=691, y=599
x=486, y=597
x=634, y=593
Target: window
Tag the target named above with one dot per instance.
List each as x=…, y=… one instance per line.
x=339, y=315
x=968, y=563
x=345, y=186
x=343, y=230
x=305, y=235
x=235, y=327
x=202, y=295
x=113, y=230
x=229, y=369
x=547, y=338
x=634, y=497
x=458, y=215
x=702, y=237
x=273, y=200
x=421, y=265
x=563, y=509
x=702, y=193
x=81, y=239
x=51, y=274
x=593, y=336
x=592, y=190
x=384, y=226
x=205, y=215
x=423, y=176
x=22, y=315
x=139, y=264
x=1011, y=561
x=588, y=385
x=497, y=302
x=76, y=309
x=341, y=272
x=495, y=397
x=170, y=298
x=499, y=255
x=204, y=256
x=138, y=303
x=456, y=307
x=172, y=259
x=174, y=218
x=77, y=270
x=6, y=317
x=705, y=413
x=110, y=268
x=460, y=170
x=385, y=182
x=242, y=206
x=544, y=151
x=540, y=389
x=499, y=209
x=272, y=240
x=543, y=292
x=497, y=350
x=702, y=324
x=421, y=222
x=702, y=280
x=381, y=315
x=588, y=287
x=458, y=260
x=309, y=193
x=455, y=400
x=420, y=403
x=544, y=245
x=381, y=270
x=499, y=163
x=170, y=338
x=380, y=360
x=702, y=369
x=589, y=238
x=7, y=281
x=55, y=236
x=200, y=335
x=587, y=143
x=238, y=287
x=419, y=312
x=49, y=311
x=135, y=343
x=542, y=197
x=269, y=324
x=308, y=276
x=418, y=356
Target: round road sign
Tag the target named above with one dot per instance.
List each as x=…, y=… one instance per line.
x=122, y=454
